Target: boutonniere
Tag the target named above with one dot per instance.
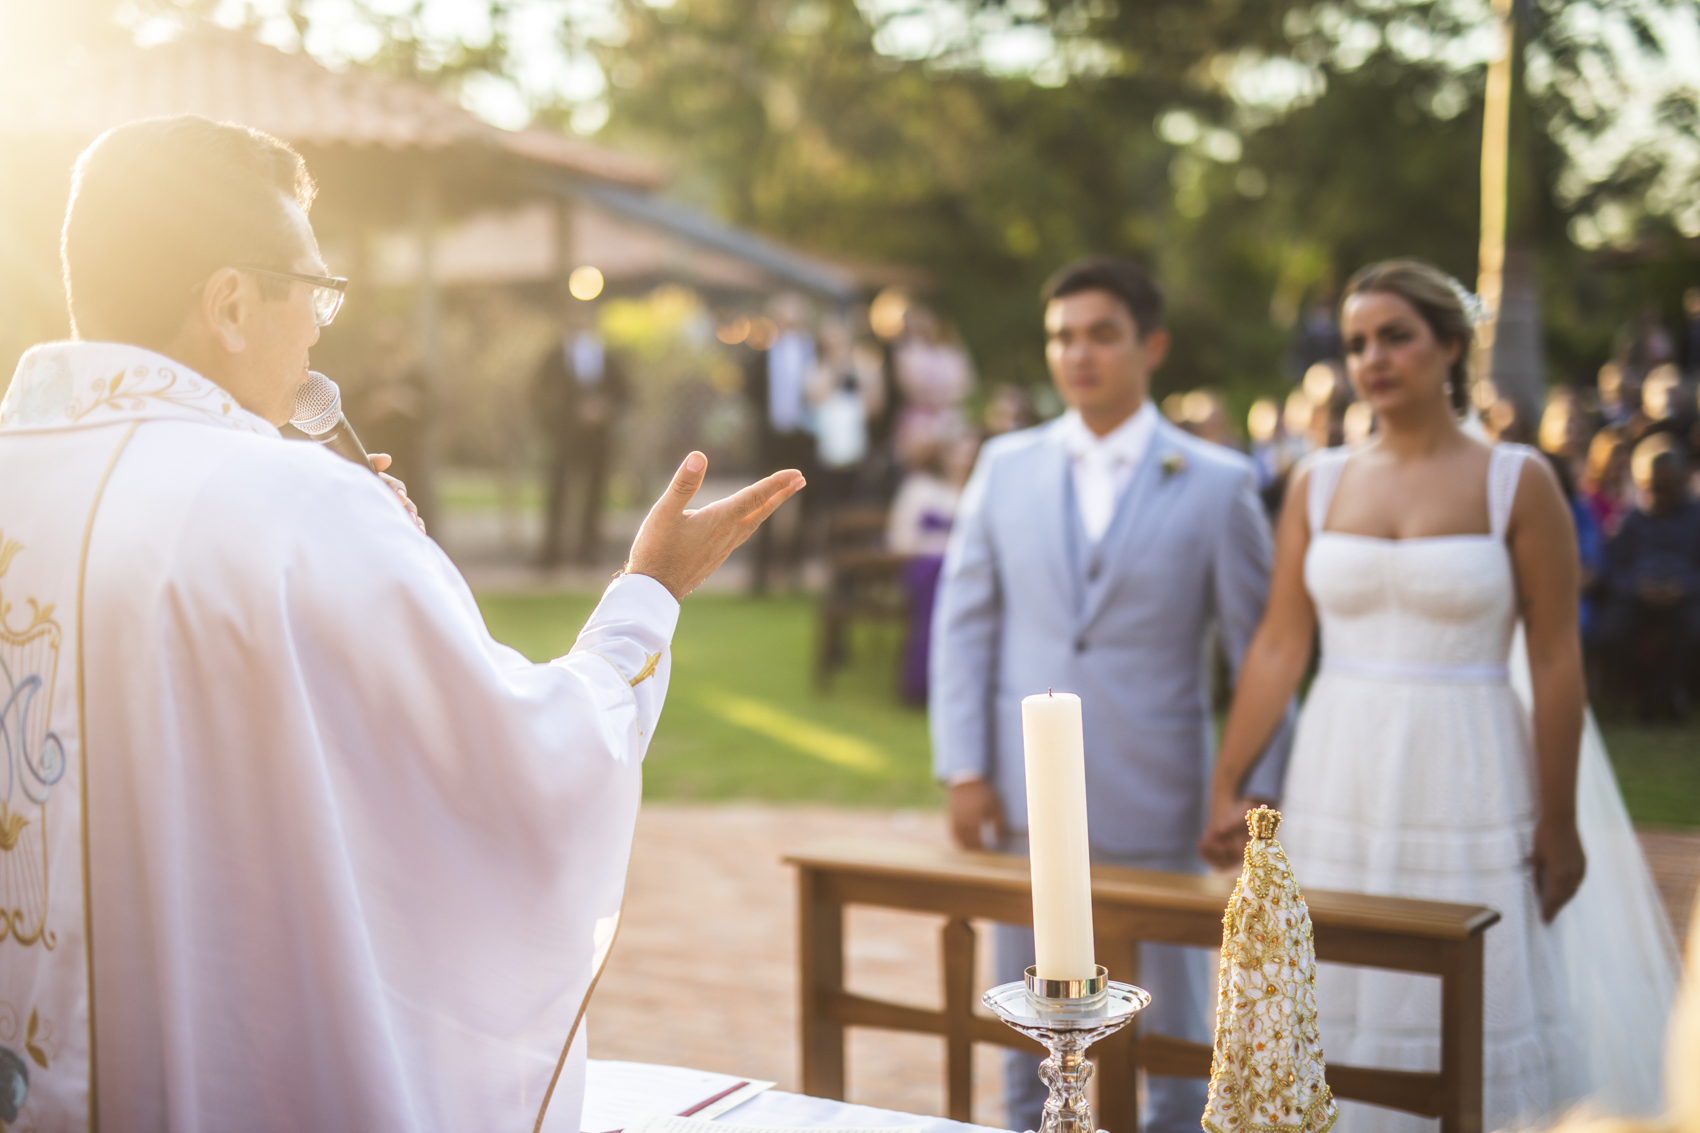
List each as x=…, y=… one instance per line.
x=1173, y=465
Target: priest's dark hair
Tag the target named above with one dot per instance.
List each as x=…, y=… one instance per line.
x=158, y=205
x=1124, y=279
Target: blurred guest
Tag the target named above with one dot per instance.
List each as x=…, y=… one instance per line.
x=1650, y=343
x=1263, y=427
x=1204, y=414
x=1590, y=545
x=777, y=381
x=1563, y=434
x=1651, y=625
x=846, y=391
x=933, y=376
x=1329, y=391
x=1010, y=408
x=578, y=393
x=1605, y=479
x=1658, y=392
x=1288, y=445
x=1318, y=337
x=919, y=527
x=1505, y=422
x=1296, y=415
x=1620, y=394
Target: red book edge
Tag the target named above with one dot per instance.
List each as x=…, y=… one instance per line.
x=704, y=1104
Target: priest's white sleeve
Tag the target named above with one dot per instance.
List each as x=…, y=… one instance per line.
x=623, y=653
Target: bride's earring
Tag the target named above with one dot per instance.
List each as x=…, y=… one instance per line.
x=1446, y=390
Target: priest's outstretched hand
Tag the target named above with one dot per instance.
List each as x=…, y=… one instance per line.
x=680, y=546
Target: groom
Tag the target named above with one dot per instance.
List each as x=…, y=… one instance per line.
x=1091, y=555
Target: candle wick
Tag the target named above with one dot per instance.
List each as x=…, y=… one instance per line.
x=1049, y=691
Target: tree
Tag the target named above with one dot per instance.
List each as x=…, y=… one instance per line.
x=1142, y=132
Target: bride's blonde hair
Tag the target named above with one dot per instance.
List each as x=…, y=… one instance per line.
x=1437, y=297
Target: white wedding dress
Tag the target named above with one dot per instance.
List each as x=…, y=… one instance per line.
x=1412, y=775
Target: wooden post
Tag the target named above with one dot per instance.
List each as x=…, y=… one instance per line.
x=820, y=962
x=956, y=943
x=1461, y=1036
x=1117, y=1057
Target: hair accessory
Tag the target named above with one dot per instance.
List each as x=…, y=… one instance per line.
x=1475, y=310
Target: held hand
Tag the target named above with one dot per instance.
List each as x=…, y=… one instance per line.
x=1225, y=835
x=1559, y=865
x=973, y=806
x=679, y=547
x=381, y=461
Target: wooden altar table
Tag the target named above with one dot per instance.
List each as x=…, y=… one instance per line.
x=1129, y=906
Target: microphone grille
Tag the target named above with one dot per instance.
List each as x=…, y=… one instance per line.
x=318, y=405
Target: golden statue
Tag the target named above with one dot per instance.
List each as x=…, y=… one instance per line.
x=1267, y=1074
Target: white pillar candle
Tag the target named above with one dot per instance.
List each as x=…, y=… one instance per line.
x=1056, y=836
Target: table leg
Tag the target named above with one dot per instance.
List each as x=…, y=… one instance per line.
x=820, y=961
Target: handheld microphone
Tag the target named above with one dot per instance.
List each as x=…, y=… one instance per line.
x=318, y=413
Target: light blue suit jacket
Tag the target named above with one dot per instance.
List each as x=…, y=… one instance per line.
x=1026, y=603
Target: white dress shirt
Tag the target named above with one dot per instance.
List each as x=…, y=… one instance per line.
x=1103, y=466
x=790, y=361
x=585, y=355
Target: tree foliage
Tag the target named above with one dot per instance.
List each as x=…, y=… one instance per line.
x=1143, y=132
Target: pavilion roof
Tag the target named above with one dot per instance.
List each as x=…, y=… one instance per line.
x=230, y=77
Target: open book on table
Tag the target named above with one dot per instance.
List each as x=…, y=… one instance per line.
x=617, y=1094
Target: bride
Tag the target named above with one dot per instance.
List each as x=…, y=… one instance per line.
x=1418, y=770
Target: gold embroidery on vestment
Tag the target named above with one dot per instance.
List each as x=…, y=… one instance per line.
x=11, y=825
x=35, y=761
x=113, y=393
x=83, y=774
x=650, y=661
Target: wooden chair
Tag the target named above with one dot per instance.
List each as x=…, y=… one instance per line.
x=1128, y=906
x=864, y=585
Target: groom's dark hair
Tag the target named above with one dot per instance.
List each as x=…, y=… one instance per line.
x=1126, y=280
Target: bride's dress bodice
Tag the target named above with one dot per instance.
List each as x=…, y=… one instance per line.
x=1444, y=602
x=1442, y=607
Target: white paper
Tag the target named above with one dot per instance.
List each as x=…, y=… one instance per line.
x=697, y=1125
x=617, y=1094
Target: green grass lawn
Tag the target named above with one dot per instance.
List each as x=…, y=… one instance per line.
x=744, y=722
x=480, y=490
x=1659, y=771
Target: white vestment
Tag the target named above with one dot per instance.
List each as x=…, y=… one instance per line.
x=287, y=841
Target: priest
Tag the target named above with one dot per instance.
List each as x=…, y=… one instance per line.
x=287, y=840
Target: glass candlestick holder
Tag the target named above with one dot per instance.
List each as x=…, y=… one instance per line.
x=1067, y=1017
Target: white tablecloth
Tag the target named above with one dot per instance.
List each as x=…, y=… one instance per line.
x=778, y=1108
